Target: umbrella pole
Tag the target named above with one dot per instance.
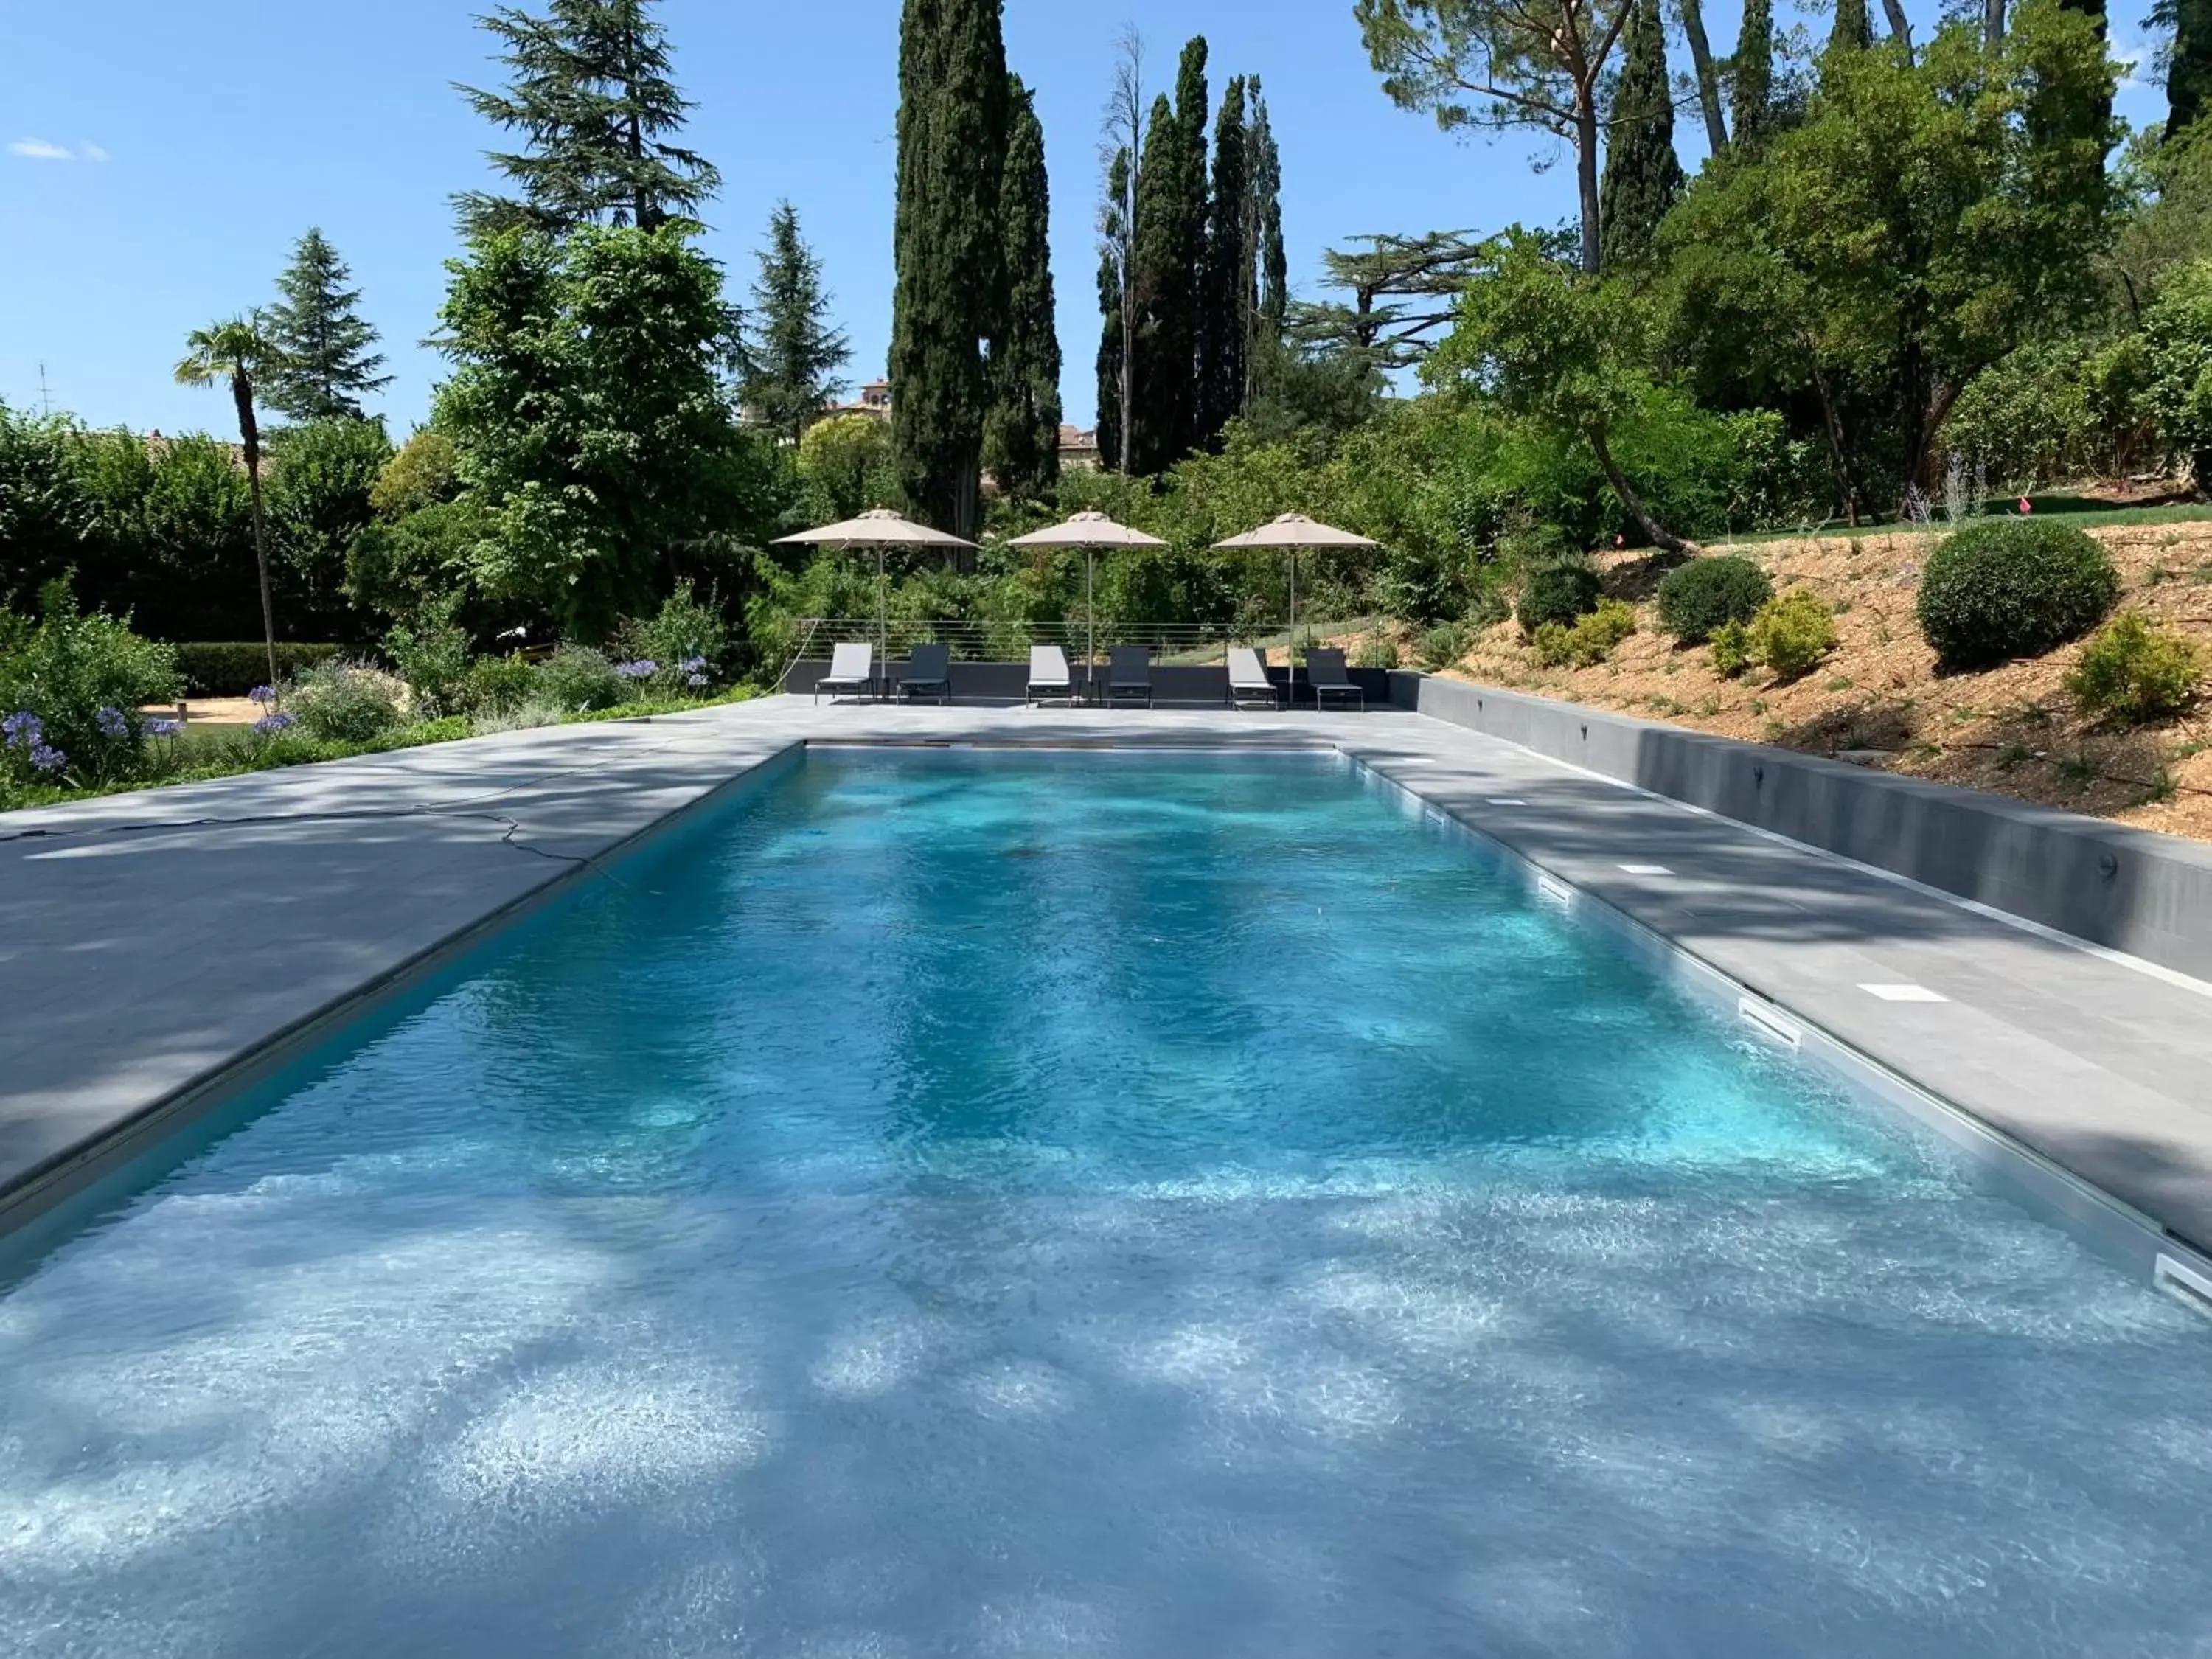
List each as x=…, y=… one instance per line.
x=1089, y=621
x=1290, y=653
x=883, y=623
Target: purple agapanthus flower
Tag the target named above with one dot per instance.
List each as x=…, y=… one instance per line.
x=696, y=680
x=643, y=669
x=693, y=665
x=269, y=725
x=48, y=759
x=261, y=693
x=112, y=723
x=162, y=728
x=23, y=729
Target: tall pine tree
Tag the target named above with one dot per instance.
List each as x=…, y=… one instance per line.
x=1114, y=249
x=1226, y=278
x=2188, y=72
x=1642, y=173
x=1021, y=444
x=952, y=127
x=791, y=359
x=322, y=366
x=1170, y=242
x=1752, y=101
x=590, y=88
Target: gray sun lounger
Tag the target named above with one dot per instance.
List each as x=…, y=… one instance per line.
x=852, y=668
x=1049, y=674
x=1325, y=673
x=1129, y=675
x=929, y=672
x=1248, y=680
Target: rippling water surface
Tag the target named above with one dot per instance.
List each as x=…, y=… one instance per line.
x=943, y=1206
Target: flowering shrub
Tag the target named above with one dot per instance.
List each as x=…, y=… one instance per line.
x=577, y=679
x=269, y=725
x=73, y=685
x=673, y=654
x=345, y=702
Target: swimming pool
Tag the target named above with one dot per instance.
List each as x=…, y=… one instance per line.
x=1032, y=1204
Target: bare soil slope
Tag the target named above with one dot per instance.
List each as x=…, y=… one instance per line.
x=1878, y=700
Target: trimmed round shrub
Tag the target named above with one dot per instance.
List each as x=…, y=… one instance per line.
x=1733, y=652
x=1557, y=593
x=1697, y=599
x=2013, y=587
x=2134, y=671
x=344, y=702
x=578, y=679
x=1792, y=633
x=499, y=685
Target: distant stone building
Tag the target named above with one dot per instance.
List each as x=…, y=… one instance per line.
x=1079, y=449
x=875, y=400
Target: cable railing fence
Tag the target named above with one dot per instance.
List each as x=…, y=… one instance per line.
x=1172, y=643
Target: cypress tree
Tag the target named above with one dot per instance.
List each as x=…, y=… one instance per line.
x=2189, y=73
x=1113, y=248
x=1752, y=102
x=1642, y=173
x=1227, y=276
x=1162, y=424
x=1022, y=437
x=947, y=297
x=591, y=88
x=791, y=365
x=322, y=365
x=1270, y=311
x=1853, y=27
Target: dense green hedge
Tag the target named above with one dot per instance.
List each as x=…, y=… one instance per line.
x=2013, y=587
x=231, y=668
x=1698, y=598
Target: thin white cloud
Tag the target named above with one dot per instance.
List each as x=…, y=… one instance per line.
x=37, y=149
x=89, y=151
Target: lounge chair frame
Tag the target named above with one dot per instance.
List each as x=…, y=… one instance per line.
x=1040, y=690
x=1119, y=689
x=1340, y=684
x=929, y=657
x=836, y=681
x=1245, y=661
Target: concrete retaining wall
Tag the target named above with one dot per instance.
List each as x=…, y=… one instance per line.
x=2146, y=893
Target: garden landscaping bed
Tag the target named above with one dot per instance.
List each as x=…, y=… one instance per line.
x=1878, y=700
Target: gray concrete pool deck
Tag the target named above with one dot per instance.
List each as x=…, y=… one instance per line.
x=151, y=943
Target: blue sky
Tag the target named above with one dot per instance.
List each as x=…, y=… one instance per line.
x=157, y=160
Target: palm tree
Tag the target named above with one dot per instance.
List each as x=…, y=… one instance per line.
x=236, y=350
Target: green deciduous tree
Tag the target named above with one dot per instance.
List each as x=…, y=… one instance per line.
x=952, y=127
x=324, y=366
x=591, y=417
x=322, y=476
x=1642, y=173
x=1022, y=435
x=236, y=354
x=1921, y=222
x=1560, y=349
x=793, y=352
x=591, y=91
x=1500, y=64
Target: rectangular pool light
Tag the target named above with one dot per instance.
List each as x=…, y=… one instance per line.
x=1904, y=993
x=1507, y=800
x=1646, y=869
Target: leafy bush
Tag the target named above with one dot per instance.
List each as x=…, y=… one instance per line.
x=577, y=679
x=1792, y=633
x=432, y=655
x=2013, y=587
x=1442, y=647
x=2134, y=671
x=345, y=702
x=1733, y=651
x=682, y=648
x=231, y=668
x=497, y=685
x=1590, y=641
x=1377, y=649
x=1703, y=595
x=525, y=716
x=1557, y=593
x=70, y=690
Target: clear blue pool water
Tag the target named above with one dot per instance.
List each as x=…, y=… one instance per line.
x=972, y=1206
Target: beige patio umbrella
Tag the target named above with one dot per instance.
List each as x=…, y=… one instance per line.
x=1093, y=533
x=1295, y=533
x=879, y=528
